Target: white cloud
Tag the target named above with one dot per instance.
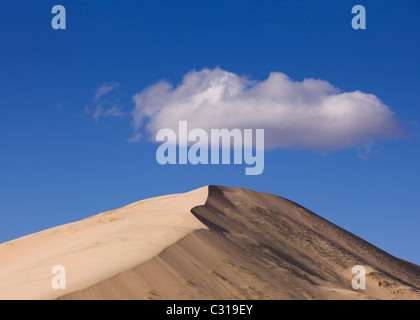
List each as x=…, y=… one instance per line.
x=104, y=89
x=100, y=111
x=311, y=114
x=135, y=138
x=105, y=106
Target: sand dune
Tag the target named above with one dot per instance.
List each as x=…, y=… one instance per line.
x=211, y=243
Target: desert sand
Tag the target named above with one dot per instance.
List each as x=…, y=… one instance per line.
x=211, y=243
x=96, y=248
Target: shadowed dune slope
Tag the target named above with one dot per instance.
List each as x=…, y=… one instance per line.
x=261, y=246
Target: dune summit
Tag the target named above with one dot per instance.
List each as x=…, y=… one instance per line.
x=210, y=243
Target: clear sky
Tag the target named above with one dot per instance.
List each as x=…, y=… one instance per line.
x=66, y=107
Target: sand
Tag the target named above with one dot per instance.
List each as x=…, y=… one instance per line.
x=233, y=243
x=96, y=248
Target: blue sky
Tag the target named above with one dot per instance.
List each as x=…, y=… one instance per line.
x=61, y=163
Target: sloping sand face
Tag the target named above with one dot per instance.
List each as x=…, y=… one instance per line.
x=260, y=246
x=96, y=248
